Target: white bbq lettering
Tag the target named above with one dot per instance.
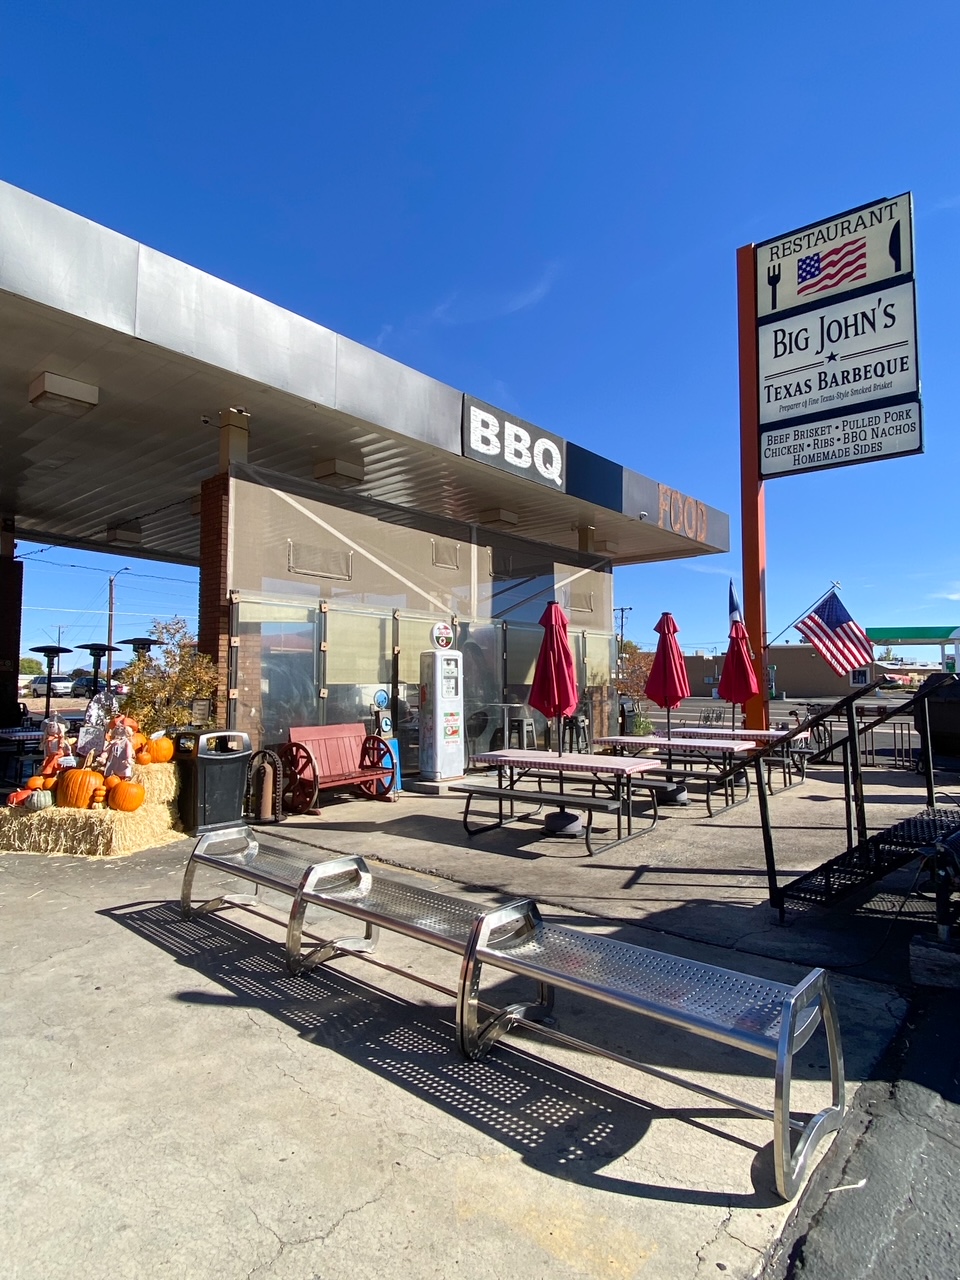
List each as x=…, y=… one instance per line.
x=484, y=431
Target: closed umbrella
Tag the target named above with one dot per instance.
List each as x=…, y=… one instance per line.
x=738, y=681
x=554, y=689
x=667, y=683
x=554, y=694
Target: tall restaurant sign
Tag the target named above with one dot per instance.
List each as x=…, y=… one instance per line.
x=837, y=373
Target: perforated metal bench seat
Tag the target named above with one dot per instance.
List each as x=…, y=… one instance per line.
x=281, y=871
x=761, y=1016
x=347, y=886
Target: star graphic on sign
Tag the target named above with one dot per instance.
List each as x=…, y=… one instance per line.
x=831, y=357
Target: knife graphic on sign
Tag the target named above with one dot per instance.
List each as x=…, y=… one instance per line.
x=894, y=247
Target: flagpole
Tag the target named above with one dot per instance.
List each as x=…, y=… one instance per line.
x=819, y=600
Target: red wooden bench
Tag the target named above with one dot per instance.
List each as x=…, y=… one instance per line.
x=334, y=757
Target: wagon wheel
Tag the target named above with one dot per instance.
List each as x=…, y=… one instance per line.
x=298, y=787
x=376, y=752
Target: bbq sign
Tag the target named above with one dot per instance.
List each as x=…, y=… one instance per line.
x=512, y=445
x=854, y=249
x=838, y=380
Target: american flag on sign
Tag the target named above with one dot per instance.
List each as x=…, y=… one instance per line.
x=839, y=640
x=819, y=271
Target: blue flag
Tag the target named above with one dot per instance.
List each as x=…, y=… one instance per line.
x=736, y=613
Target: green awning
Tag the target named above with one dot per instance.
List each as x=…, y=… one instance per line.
x=914, y=635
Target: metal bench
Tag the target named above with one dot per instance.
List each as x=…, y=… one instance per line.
x=766, y=1018
x=760, y=1016
x=269, y=869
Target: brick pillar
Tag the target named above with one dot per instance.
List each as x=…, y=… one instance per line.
x=214, y=630
x=11, y=604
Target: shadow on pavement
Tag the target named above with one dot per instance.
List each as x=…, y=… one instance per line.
x=561, y=1123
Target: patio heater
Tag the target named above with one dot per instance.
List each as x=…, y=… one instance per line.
x=51, y=652
x=141, y=645
x=97, y=652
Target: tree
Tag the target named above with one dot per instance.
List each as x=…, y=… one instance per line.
x=31, y=667
x=165, y=682
x=634, y=671
x=635, y=667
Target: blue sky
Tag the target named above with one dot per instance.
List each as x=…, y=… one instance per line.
x=540, y=204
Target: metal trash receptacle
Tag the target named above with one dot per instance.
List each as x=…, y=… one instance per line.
x=213, y=778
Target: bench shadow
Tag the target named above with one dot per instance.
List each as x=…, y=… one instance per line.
x=561, y=1123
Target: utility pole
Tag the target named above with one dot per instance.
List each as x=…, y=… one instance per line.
x=622, y=610
x=113, y=578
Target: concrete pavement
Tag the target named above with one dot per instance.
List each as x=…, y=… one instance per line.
x=176, y=1103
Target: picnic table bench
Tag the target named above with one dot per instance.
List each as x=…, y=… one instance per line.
x=766, y=1018
x=334, y=757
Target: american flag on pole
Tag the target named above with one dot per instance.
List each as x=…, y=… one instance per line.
x=840, y=641
x=819, y=271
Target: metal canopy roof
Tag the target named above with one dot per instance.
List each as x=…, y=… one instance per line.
x=168, y=345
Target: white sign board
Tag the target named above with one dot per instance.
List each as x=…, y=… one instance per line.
x=848, y=252
x=834, y=442
x=831, y=360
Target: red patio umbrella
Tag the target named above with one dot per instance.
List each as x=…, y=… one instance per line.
x=738, y=680
x=667, y=683
x=554, y=689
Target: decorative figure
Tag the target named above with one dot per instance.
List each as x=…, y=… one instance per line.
x=100, y=711
x=54, y=745
x=120, y=749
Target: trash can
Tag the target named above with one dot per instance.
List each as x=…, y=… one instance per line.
x=213, y=778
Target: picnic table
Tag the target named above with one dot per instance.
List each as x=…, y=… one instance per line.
x=717, y=753
x=615, y=775
x=792, y=758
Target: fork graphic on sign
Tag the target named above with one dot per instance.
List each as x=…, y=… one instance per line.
x=773, y=279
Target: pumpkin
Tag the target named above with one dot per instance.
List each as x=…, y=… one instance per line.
x=161, y=749
x=139, y=741
x=18, y=797
x=112, y=780
x=98, y=797
x=143, y=756
x=38, y=800
x=126, y=796
x=49, y=783
x=35, y=783
x=76, y=788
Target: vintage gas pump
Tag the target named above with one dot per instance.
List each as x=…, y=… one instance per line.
x=441, y=707
x=383, y=728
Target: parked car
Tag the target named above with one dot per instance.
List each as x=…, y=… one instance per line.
x=60, y=687
x=83, y=686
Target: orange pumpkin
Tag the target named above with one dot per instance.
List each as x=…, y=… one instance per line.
x=35, y=783
x=139, y=740
x=112, y=781
x=98, y=797
x=143, y=756
x=161, y=750
x=49, y=783
x=126, y=796
x=76, y=788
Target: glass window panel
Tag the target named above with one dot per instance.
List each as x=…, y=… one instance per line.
x=523, y=645
x=600, y=658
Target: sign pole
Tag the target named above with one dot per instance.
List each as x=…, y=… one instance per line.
x=753, y=528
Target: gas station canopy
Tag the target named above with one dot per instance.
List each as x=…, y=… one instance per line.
x=116, y=362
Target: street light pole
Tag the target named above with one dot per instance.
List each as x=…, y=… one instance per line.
x=113, y=578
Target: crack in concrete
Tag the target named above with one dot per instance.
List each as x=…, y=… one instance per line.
x=708, y=1244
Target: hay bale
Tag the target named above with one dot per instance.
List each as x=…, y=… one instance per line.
x=160, y=782
x=90, y=833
